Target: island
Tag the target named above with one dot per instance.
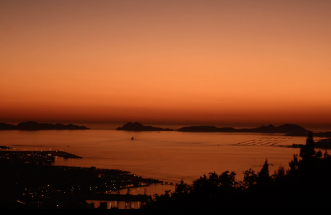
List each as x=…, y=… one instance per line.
x=287, y=129
x=139, y=127
x=34, y=126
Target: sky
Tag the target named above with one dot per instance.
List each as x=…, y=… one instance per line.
x=166, y=61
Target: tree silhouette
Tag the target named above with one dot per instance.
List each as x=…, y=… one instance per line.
x=305, y=185
x=307, y=152
x=228, y=181
x=264, y=176
x=250, y=179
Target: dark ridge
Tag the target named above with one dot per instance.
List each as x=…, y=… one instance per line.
x=291, y=128
x=34, y=126
x=325, y=134
x=4, y=126
x=206, y=129
x=139, y=127
x=266, y=129
x=287, y=128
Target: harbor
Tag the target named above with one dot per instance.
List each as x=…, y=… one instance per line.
x=37, y=184
x=46, y=157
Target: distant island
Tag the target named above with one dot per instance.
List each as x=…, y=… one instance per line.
x=34, y=126
x=287, y=129
x=139, y=127
x=284, y=129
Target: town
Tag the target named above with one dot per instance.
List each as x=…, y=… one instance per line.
x=29, y=181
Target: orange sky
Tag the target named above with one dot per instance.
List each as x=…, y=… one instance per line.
x=166, y=61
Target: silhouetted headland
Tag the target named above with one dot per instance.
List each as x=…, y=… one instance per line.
x=321, y=134
x=139, y=127
x=287, y=129
x=34, y=126
x=322, y=144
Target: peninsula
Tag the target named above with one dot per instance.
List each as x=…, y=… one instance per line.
x=322, y=144
x=139, y=127
x=34, y=126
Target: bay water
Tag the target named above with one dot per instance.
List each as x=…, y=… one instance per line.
x=167, y=156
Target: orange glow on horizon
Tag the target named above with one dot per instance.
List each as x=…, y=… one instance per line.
x=166, y=62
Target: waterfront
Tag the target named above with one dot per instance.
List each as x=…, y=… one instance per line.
x=27, y=183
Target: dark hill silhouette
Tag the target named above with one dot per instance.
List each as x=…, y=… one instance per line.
x=139, y=127
x=206, y=129
x=34, y=126
x=4, y=126
x=287, y=128
x=325, y=134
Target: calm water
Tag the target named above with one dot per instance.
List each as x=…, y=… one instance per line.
x=167, y=156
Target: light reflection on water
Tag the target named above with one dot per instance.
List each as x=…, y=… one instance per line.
x=167, y=156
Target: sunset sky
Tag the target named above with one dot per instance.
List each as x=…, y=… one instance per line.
x=166, y=61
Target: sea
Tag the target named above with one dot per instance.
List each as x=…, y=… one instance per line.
x=166, y=156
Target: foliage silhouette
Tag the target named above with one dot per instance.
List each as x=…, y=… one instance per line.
x=303, y=186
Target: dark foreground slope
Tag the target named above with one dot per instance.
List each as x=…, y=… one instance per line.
x=306, y=185
x=139, y=127
x=34, y=126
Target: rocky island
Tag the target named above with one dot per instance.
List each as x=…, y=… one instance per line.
x=287, y=129
x=34, y=126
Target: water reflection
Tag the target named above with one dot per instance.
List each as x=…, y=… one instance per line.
x=167, y=156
